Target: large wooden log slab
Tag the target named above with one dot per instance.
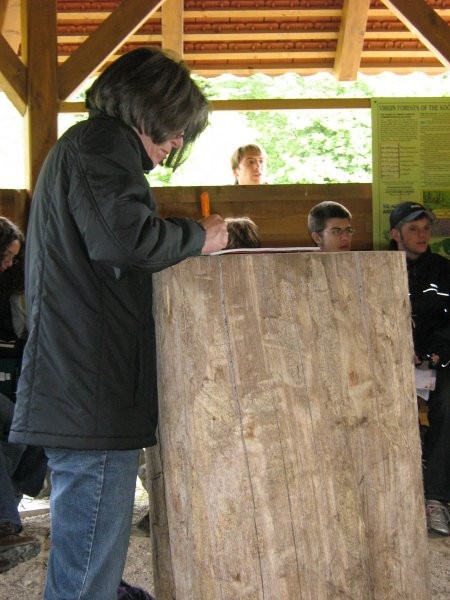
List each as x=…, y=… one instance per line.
x=289, y=442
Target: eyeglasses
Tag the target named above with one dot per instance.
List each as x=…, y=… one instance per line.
x=340, y=231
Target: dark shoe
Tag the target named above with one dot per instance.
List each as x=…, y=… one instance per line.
x=15, y=548
x=125, y=591
x=437, y=517
x=144, y=523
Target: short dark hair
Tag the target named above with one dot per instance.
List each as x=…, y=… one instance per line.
x=242, y=233
x=320, y=213
x=12, y=280
x=149, y=90
x=9, y=232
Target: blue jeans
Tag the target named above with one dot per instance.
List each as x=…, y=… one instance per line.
x=91, y=508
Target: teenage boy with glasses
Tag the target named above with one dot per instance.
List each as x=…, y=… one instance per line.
x=330, y=226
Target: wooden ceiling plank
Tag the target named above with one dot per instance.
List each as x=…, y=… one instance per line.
x=103, y=42
x=172, y=26
x=232, y=37
x=351, y=39
x=209, y=15
x=218, y=14
x=430, y=28
x=3, y=11
x=13, y=76
x=263, y=104
x=10, y=22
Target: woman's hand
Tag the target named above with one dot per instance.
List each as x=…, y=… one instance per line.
x=216, y=234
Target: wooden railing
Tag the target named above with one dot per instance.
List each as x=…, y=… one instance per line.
x=14, y=205
x=280, y=211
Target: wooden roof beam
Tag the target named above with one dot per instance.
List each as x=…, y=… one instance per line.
x=425, y=22
x=351, y=39
x=39, y=55
x=103, y=42
x=10, y=22
x=12, y=70
x=13, y=76
x=172, y=19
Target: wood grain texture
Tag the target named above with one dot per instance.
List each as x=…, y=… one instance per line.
x=280, y=211
x=15, y=205
x=289, y=442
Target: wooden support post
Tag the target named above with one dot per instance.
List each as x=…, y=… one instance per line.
x=289, y=445
x=40, y=57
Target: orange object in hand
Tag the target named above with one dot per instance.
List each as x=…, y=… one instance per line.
x=204, y=203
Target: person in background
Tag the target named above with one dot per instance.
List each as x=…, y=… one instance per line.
x=22, y=468
x=249, y=165
x=330, y=226
x=242, y=233
x=429, y=293
x=12, y=302
x=22, y=471
x=88, y=388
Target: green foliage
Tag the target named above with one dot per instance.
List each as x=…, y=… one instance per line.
x=302, y=146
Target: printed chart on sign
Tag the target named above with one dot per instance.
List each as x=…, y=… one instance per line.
x=411, y=154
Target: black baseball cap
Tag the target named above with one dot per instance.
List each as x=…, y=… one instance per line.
x=408, y=211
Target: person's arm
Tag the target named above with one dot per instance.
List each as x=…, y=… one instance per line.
x=117, y=216
x=439, y=347
x=19, y=315
x=439, y=344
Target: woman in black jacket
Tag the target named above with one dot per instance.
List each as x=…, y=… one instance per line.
x=87, y=390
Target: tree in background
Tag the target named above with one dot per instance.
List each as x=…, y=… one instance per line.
x=304, y=147
x=308, y=146
x=311, y=146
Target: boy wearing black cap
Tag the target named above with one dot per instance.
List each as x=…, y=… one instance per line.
x=429, y=288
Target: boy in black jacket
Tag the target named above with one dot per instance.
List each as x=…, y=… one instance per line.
x=429, y=289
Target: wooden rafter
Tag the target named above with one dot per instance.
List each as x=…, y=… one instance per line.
x=172, y=26
x=427, y=25
x=13, y=76
x=12, y=70
x=39, y=55
x=103, y=42
x=351, y=39
x=10, y=22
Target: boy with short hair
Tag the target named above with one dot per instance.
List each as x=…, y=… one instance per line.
x=330, y=226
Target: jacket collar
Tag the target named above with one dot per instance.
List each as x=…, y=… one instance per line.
x=147, y=163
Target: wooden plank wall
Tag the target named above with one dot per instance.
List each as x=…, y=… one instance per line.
x=280, y=211
x=14, y=205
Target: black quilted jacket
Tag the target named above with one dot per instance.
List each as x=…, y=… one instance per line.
x=429, y=287
x=94, y=239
